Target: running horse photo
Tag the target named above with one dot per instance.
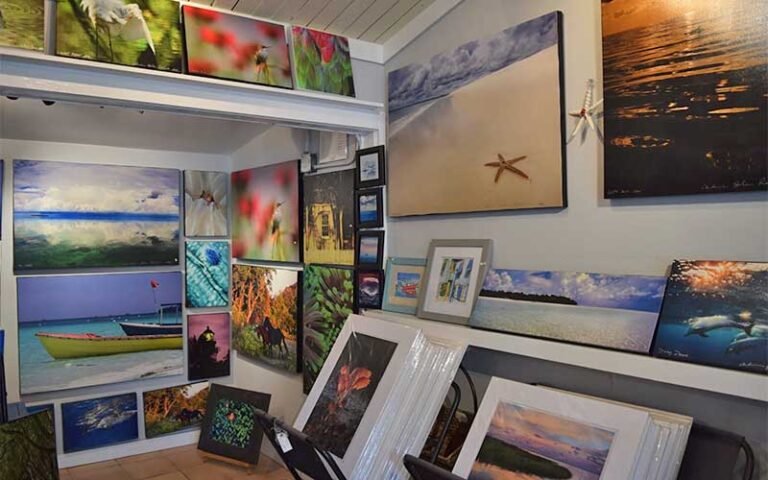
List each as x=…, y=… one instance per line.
x=272, y=337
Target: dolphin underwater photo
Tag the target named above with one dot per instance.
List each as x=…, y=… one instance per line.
x=716, y=313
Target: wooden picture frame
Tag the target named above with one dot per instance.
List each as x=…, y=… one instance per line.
x=363, y=246
x=360, y=196
x=370, y=171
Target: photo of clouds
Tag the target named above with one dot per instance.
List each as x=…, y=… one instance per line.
x=613, y=311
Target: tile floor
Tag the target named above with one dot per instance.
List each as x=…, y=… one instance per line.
x=183, y=463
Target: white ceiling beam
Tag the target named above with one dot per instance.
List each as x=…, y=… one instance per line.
x=366, y=51
x=417, y=26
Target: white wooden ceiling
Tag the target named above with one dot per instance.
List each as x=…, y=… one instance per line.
x=373, y=21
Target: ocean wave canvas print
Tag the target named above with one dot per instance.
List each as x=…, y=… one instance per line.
x=685, y=86
x=75, y=215
x=21, y=24
x=99, y=422
x=267, y=213
x=716, y=313
x=73, y=329
x=206, y=204
x=480, y=127
x=611, y=311
x=207, y=274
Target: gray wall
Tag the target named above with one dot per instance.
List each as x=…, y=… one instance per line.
x=639, y=236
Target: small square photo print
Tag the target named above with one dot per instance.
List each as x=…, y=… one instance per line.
x=370, y=249
x=370, y=167
x=370, y=285
x=369, y=208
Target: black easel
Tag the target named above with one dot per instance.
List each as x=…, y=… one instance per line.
x=302, y=454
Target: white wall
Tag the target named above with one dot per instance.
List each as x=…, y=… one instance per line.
x=595, y=235
x=640, y=236
x=68, y=152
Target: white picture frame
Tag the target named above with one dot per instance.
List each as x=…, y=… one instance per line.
x=404, y=337
x=629, y=426
x=454, y=299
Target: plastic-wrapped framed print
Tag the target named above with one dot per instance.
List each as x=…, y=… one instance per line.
x=354, y=385
x=371, y=168
x=402, y=282
x=540, y=433
x=454, y=276
x=369, y=251
x=370, y=284
x=229, y=427
x=369, y=208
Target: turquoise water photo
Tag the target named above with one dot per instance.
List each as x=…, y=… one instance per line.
x=71, y=315
x=72, y=215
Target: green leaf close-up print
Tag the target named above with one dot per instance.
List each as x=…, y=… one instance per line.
x=233, y=422
x=329, y=298
x=322, y=62
x=140, y=33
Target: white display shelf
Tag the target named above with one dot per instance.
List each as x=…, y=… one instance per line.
x=37, y=75
x=728, y=382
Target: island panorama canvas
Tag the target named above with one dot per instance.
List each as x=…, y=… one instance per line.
x=74, y=215
x=612, y=311
x=480, y=127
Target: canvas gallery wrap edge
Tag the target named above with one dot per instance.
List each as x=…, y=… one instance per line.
x=481, y=127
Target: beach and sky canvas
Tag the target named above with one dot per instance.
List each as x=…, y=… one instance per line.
x=75, y=215
x=267, y=213
x=230, y=428
x=322, y=62
x=96, y=304
x=208, y=345
x=236, y=47
x=350, y=388
x=22, y=24
x=612, y=311
x=174, y=409
x=145, y=33
x=207, y=274
x=329, y=298
x=480, y=127
x=265, y=309
x=29, y=448
x=525, y=443
x=685, y=86
x=99, y=422
x=716, y=313
x=206, y=204
x=329, y=218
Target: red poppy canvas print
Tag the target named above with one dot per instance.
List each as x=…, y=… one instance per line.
x=236, y=47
